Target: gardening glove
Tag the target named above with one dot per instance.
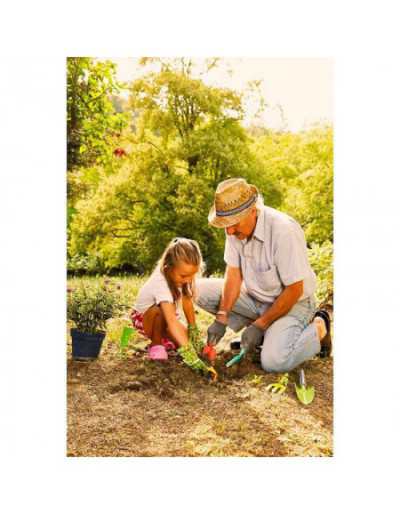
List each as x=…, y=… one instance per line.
x=195, y=338
x=215, y=332
x=191, y=359
x=251, y=337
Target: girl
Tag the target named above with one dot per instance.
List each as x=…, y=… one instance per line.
x=155, y=313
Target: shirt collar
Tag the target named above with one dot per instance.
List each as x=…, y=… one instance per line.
x=259, y=231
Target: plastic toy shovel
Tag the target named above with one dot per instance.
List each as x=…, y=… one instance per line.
x=236, y=358
x=125, y=336
x=304, y=394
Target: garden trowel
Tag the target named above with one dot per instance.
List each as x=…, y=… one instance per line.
x=236, y=358
x=304, y=394
x=125, y=336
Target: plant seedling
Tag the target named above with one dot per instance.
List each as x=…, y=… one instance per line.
x=280, y=386
x=304, y=394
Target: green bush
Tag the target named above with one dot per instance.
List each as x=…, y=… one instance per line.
x=321, y=260
x=90, y=304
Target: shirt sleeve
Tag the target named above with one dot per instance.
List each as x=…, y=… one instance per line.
x=291, y=257
x=231, y=254
x=162, y=292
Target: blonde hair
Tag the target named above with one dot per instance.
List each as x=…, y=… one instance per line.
x=178, y=250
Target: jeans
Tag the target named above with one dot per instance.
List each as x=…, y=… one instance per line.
x=288, y=341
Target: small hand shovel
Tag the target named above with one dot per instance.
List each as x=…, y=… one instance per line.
x=236, y=358
x=125, y=336
x=304, y=394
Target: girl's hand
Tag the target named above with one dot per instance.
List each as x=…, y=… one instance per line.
x=175, y=329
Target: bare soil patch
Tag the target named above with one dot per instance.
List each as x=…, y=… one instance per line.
x=135, y=407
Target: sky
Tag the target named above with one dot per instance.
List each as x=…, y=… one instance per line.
x=303, y=87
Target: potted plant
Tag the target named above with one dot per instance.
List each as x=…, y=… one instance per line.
x=89, y=306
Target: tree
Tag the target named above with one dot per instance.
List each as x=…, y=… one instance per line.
x=309, y=196
x=188, y=138
x=301, y=167
x=91, y=117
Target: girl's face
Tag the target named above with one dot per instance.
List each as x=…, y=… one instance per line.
x=183, y=273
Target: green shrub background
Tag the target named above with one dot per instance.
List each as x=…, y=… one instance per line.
x=180, y=138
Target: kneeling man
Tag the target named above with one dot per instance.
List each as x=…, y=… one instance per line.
x=269, y=284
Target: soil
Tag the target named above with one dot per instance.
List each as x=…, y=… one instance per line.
x=123, y=406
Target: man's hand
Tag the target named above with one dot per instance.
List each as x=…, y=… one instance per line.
x=251, y=337
x=215, y=332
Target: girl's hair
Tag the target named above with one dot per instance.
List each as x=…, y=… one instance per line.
x=184, y=250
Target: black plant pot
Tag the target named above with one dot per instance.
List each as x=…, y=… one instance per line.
x=86, y=347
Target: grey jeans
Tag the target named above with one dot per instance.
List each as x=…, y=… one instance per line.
x=289, y=341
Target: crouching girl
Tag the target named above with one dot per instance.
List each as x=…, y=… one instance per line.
x=155, y=313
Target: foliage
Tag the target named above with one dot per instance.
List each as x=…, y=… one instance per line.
x=302, y=167
x=91, y=304
x=187, y=139
x=84, y=264
x=184, y=137
x=321, y=260
x=92, y=120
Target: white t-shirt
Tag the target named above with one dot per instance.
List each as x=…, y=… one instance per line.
x=275, y=257
x=154, y=291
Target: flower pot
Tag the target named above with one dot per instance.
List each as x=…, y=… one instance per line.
x=86, y=347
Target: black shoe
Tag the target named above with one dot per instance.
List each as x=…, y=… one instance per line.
x=326, y=342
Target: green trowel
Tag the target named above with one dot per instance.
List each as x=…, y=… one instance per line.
x=304, y=394
x=236, y=358
x=125, y=337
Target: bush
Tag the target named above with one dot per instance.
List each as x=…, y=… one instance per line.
x=321, y=260
x=91, y=304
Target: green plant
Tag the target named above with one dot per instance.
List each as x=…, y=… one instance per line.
x=91, y=304
x=321, y=260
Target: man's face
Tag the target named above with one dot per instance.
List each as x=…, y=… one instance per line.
x=245, y=227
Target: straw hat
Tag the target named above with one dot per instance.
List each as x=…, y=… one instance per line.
x=234, y=199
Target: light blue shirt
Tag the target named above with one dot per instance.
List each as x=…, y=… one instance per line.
x=274, y=257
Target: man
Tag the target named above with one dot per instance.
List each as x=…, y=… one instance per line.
x=269, y=284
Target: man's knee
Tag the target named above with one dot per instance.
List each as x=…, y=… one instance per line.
x=208, y=293
x=275, y=358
